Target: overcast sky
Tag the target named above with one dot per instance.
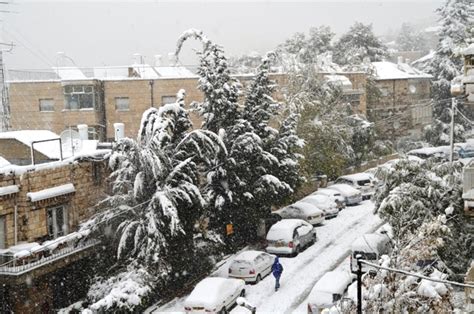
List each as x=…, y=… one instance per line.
x=95, y=33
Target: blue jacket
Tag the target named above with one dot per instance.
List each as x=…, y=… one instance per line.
x=277, y=269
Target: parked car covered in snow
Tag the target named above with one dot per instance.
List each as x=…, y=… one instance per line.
x=364, y=182
x=370, y=247
x=302, y=210
x=251, y=266
x=323, y=202
x=290, y=236
x=328, y=290
x=351, y=195
x=338, y=198
x=214, y=295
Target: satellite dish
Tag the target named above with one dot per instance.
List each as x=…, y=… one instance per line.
x=71, y=142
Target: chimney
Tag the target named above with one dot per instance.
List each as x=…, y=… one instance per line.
x=172, y=59
x=119, y=131
x=407, y=60
x=400, y=60
x=158, y=60
x=83, y=134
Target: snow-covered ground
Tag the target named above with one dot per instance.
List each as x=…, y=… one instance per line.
x=302, y=272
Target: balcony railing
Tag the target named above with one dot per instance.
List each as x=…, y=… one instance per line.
x=15, y=266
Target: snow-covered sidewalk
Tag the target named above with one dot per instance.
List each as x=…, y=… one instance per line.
x=301, y=272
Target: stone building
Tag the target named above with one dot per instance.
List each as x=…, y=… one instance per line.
x=403, y=107
x=468, y=77
x=103, y=96
x=42, y=256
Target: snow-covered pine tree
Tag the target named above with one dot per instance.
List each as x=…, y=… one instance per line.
x=416, y=192
x=409, y=39
x=153, y=208
x=358, y=44
x=243, y=186
x=457, y=22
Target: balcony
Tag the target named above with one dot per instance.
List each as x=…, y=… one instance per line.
x=33, y=259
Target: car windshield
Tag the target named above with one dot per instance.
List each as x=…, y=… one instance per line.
x=241, y=263
x=363, y=182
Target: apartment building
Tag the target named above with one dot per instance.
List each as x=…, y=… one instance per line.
x=403, y=107
x=43, y=258
x=102, y=96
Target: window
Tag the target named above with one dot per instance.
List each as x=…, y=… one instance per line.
x=46, y=104
x=57, y=221
x=2, y=232
x=122, y=103
x=168, y=100
x=79, y=97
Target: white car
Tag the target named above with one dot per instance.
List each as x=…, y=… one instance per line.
x=213, y=295
x=328, y=290
x=365, y=182
x=290, y=236
x=338, y=198
x=351, y=195
x=302, y=210
x=251, y=266
x=325, y=203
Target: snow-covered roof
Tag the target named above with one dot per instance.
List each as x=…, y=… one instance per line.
x=425, y=58
x=370, y=242
x=145, y=71
x=3, y=162
x=340, y=80
x=111, y=72
x=469, y=50
x=211, y=291
x=175, y=71
x=51, y=192
x=49, y=149
x=333, y=282
x=469, y=195
x=283, y=229
x=385, y=70
x=9, y=189
x=69, y=73
x=247, y=255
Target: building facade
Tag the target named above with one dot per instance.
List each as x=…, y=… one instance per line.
x=114, y=95
x=42, y=256
x=403, y=105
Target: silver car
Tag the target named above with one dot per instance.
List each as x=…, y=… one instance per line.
x=251, y=266
x=290, y=236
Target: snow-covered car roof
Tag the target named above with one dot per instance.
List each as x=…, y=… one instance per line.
x=319, y=200
x=358, y=176
x=283, y=230
x=308, y=209
x=345, y=189
x=333, y=282
x=370, y=242
x=210, y=291
x=247, y=255
x=326, y=191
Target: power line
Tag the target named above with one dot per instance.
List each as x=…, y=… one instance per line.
x=400, y=271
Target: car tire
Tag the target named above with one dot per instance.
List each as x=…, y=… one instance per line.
x=257, y=280
x=223, y=310
x=242, y=293
x=315, y=239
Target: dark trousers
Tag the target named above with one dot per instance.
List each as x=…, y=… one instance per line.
x=277, y=282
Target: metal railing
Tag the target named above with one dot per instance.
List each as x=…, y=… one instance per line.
x=18, y=266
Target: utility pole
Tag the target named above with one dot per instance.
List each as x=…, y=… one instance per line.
x=359, y=284
x=451, y=137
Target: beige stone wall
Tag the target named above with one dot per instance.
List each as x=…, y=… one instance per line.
x=32, y=222
x=139, y=94
x=26, y=114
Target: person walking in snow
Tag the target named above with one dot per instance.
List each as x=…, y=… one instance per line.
x=277, y=269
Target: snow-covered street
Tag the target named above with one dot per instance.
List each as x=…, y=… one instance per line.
x=302, y=272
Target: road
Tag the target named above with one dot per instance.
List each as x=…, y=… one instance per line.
x=303, y=271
